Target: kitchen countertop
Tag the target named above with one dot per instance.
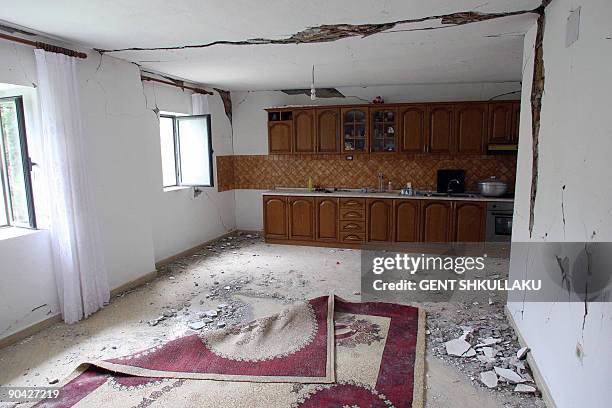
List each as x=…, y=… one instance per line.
x=395, y=194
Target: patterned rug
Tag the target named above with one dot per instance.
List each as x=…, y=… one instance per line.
x=325, y=352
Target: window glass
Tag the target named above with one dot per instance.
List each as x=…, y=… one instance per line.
x=3, y=219
x=166, y=130
x=194, y=150
x=14, y=166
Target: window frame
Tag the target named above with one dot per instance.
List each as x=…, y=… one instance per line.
x=27, y=165
x=177, y=149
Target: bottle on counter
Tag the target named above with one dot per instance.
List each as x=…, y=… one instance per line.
x=310, y=187
x=389, y=187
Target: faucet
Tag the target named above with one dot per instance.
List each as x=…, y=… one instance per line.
x=449, y=188
x=381, y=182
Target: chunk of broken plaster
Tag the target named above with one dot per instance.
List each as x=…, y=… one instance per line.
x=489, y=341
x=489, y=378
x=527, y=389
x=489, y=352
x=509, y=375
x=522, y=353
x=196, y=325
x=459, y=347
x=211, y=313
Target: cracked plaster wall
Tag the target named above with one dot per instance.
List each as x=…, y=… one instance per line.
x=140, y=223
x=570, y=346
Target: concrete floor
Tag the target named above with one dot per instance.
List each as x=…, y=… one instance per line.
x=260, y=278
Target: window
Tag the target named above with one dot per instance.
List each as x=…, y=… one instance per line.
x=16, y=203
x=186, y=150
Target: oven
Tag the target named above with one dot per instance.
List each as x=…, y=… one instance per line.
x=499, y=221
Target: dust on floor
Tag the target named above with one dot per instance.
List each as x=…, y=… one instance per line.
x=237, y=279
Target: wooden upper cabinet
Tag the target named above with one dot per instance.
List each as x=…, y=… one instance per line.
x=380, y=220
x=413, y=128
x=354, y=129
x=301, y=218
x=407, y=219
x=275, y=217
x=304, y=131
x=383, y=129
x=279, y=137
x=471, y=132
x=328, y=130
x=500, y=122
x=440, y=128
x=437, y=221
x=327, y=215
x=469, y=221
x=516, y=119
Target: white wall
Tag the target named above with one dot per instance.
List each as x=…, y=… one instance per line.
x=575, y=146
x=140, y=222
x=251, y=132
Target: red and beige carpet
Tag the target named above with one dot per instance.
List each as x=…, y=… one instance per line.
x=325, y=352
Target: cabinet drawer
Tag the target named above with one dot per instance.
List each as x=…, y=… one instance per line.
x=352, y=236
x=352, y=203
x=352, y=226
x=352, y=214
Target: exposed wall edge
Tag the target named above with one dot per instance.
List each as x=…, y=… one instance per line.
x=537, y=374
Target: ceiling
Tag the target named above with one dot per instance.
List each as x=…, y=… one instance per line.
x=478, y=52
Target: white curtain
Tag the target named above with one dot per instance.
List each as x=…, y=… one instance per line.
x=199, y=104
x=78, y=260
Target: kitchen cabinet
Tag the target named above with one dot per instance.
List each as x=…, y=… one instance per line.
x=275, y=217
x=383, y=128
x=500, y=122
x=407, y=220
x=437, y=127
x=379, y=220
x=469, y=221
x=440, y=128
x=328, y=130
x=412, y=128
x=437, y=221
x=301, y=218
x=471, y=128
x=327, y=213
x=516, y=116
x=351, y=221
x=354, y=129
x=304, y=131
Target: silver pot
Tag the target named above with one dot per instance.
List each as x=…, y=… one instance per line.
x=492, y=187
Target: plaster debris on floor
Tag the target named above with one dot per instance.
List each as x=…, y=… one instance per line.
x=235, y=279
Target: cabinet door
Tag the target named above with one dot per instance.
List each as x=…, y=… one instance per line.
x=500, y=122
x=379, y=220
x=327, y=219
x=470, y=220
x=471, y=134
x=328, y=130
x=383, y=129
x=354, y=129
x=301, y=218
x=516, y=118
x=304, y=131
x=437, y=221
x=407, y=220
x=275, y=217
x=413, y=128
x=279, y=137
x=440, y=120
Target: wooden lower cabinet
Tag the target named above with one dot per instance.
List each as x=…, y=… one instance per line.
x=301, y=218
x=333, y=221
x=327, y=213
x=469, y=221
x=407, y=220
x=379, y=218
x=437, y=221
x=275, y=217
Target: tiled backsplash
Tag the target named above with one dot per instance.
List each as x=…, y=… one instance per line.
x=333, y=170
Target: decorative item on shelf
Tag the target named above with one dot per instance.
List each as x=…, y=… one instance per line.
x=378, y=100
x=390, y=130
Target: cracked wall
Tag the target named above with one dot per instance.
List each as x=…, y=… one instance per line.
x=569, y=134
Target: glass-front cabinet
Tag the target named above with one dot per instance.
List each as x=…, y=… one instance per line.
x=384, y=129
x=355, y=129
